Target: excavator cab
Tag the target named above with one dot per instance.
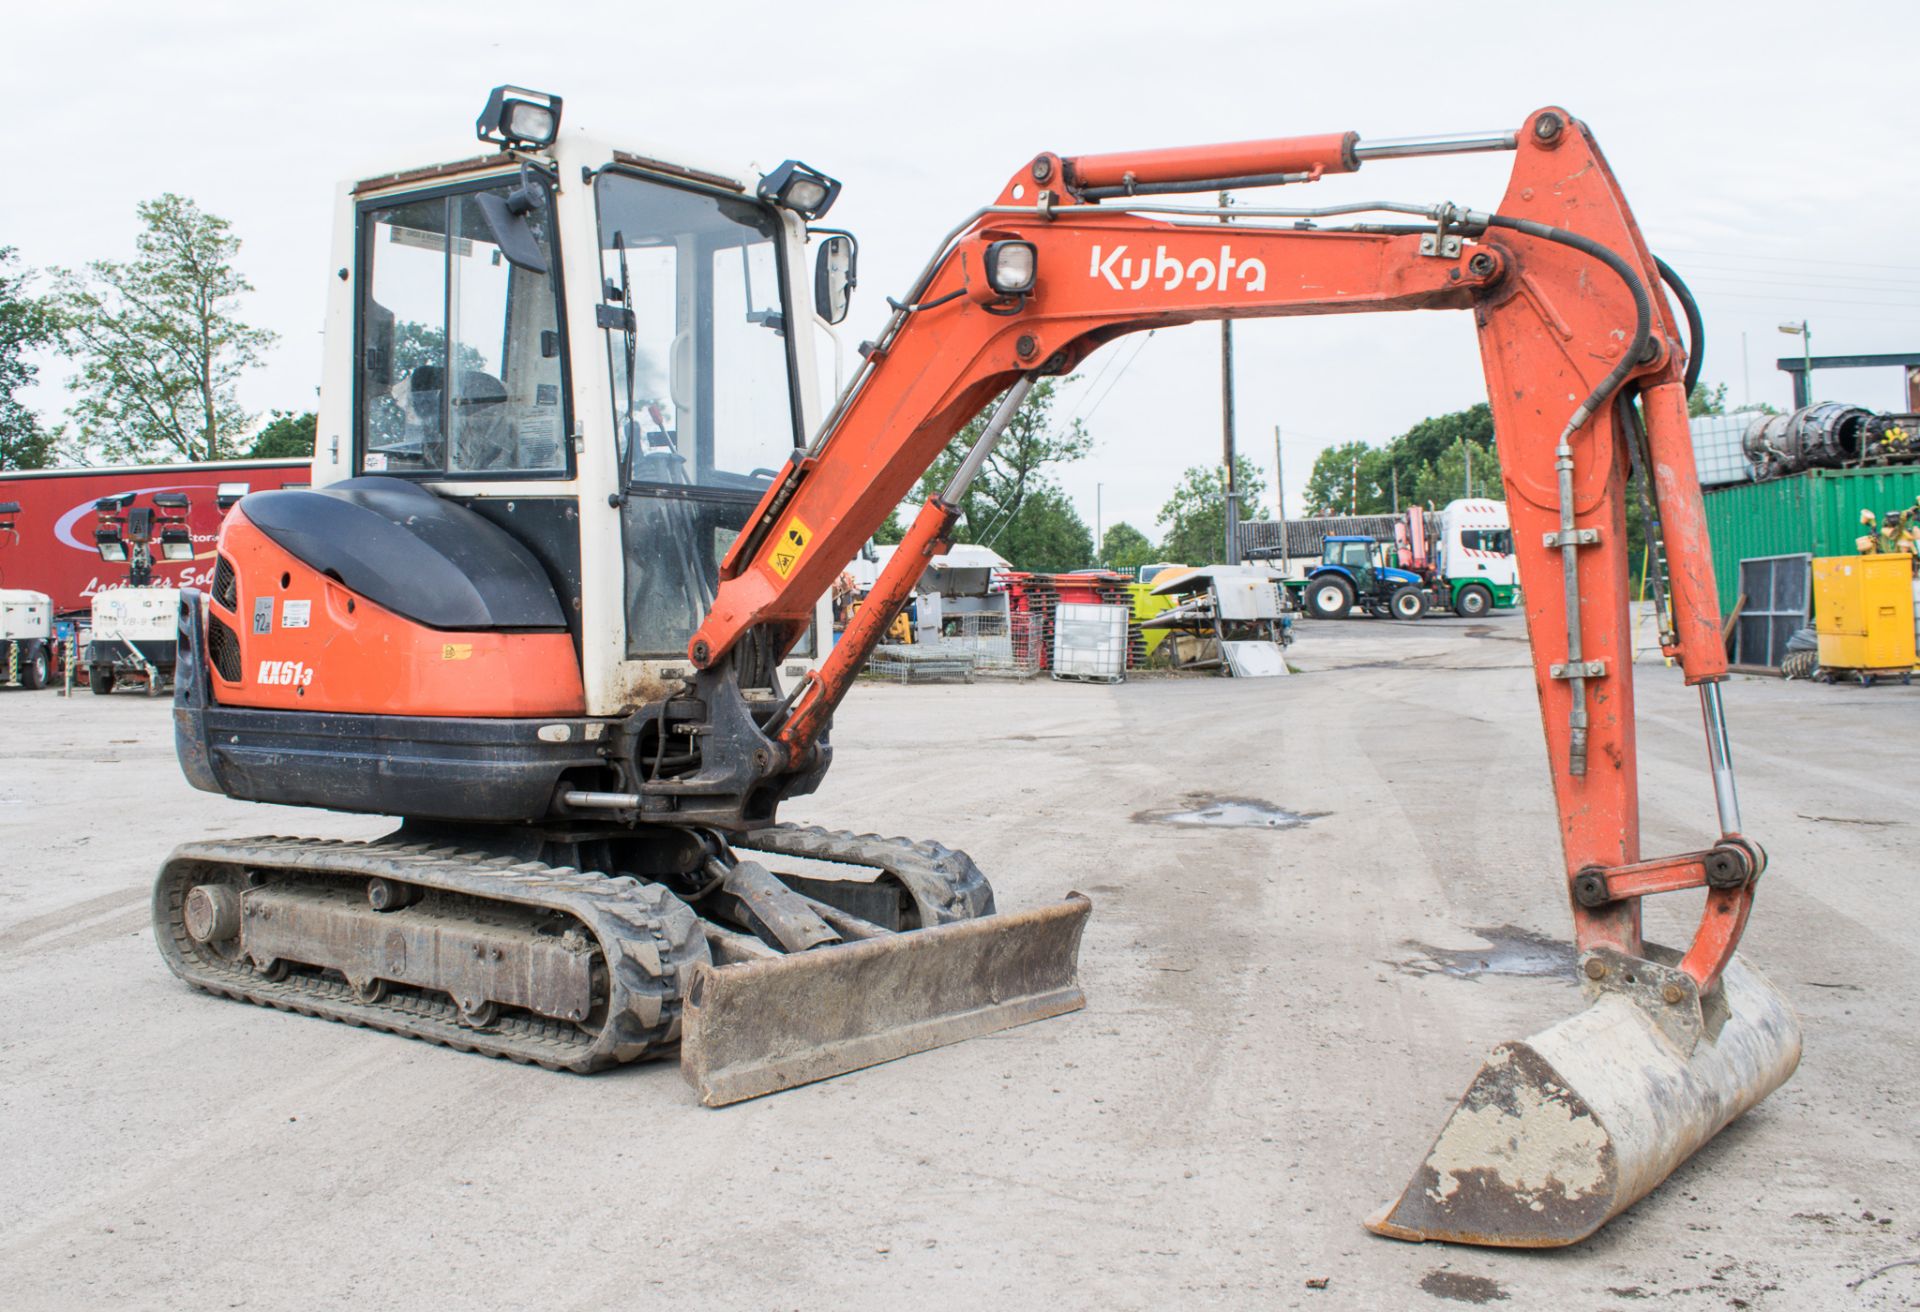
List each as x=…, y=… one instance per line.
x=560, y=377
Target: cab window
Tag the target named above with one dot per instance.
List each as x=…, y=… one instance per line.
x=460, y=368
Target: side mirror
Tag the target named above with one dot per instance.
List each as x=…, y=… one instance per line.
x=506, y=220
x=835, y=274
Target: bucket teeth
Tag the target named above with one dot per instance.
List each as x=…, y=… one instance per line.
x=1563, y=1131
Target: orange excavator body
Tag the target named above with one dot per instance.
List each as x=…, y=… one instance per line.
x=301, y=624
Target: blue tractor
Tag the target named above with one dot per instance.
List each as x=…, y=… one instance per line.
x=1351, y=571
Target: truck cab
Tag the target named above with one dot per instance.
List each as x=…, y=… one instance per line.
x=1476, y=570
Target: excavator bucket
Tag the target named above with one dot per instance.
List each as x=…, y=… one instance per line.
x=759, y=1026
x=1564, y=1130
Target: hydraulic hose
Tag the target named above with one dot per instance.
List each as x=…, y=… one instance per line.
x=1696, y=329
x=1575, y=670
x=1630, y=359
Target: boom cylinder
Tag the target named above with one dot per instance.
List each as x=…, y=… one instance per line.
x=924, y=539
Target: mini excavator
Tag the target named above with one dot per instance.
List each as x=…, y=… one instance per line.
x=556, y=597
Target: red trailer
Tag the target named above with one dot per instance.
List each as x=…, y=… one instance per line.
x=55, y=554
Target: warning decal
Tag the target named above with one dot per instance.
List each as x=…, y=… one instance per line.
x=792, y=545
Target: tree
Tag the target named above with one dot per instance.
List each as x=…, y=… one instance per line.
x=1125, y=548
x=159, y=341
x=1424, y=443
x=287, y=436
x=1019, y=467
x=1196, y=513
x=1464, y=469
x=1704, y=400
x=1354, y=479
x=1046, y=535
x=25, y=324
x=891, y=531
x=1426, y=464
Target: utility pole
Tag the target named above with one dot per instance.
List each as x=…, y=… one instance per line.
x=1226, y=420
x=1280, y=499
x=1097, y=537
x=1469, y=446
x=1394, y=470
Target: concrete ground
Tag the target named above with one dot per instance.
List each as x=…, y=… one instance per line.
x=1278, y=1021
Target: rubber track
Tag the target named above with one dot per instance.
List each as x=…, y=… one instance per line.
x=649, y=939
x=944, y=881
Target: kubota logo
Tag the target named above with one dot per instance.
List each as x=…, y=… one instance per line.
x=1124, y=272
x=287, y=674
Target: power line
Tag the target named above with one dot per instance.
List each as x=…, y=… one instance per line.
x=1795, y=297
x=1785, y=259
x=1088, y=390
x=1118, y=376
x=1754, y=277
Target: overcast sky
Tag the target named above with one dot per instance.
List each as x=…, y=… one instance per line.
x=1768, y=150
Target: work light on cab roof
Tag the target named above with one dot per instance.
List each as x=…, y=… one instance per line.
x=519, y=117
x=801, y=188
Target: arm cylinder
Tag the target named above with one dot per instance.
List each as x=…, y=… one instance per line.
x=1439, y=143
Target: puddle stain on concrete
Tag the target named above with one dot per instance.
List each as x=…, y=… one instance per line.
x=1459, y=1287
x=1205, y=812
x=1510, y=950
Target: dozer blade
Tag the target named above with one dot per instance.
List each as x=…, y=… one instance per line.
x=1563, y=1131
x=758, y=1026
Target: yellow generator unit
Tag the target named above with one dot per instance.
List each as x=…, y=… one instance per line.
x=1864, y=610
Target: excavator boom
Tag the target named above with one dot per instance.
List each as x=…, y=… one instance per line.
x=1587, y=377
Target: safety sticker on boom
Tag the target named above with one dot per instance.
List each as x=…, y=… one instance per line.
x=792, y=545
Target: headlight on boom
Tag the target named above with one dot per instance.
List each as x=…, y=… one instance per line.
x=1011, y=267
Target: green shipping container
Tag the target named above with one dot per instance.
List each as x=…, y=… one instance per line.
x=1816, y=513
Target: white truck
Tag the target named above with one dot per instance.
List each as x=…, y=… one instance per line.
x=1473, y=569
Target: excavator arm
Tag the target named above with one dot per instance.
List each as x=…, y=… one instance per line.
x=1587, y=379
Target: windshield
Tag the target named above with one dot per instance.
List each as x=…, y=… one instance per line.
x=1496, y=540
x=701, y=389
x=460, y=366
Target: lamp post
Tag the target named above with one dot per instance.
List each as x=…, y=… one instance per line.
x=1798, y=328
x=1232, y=544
